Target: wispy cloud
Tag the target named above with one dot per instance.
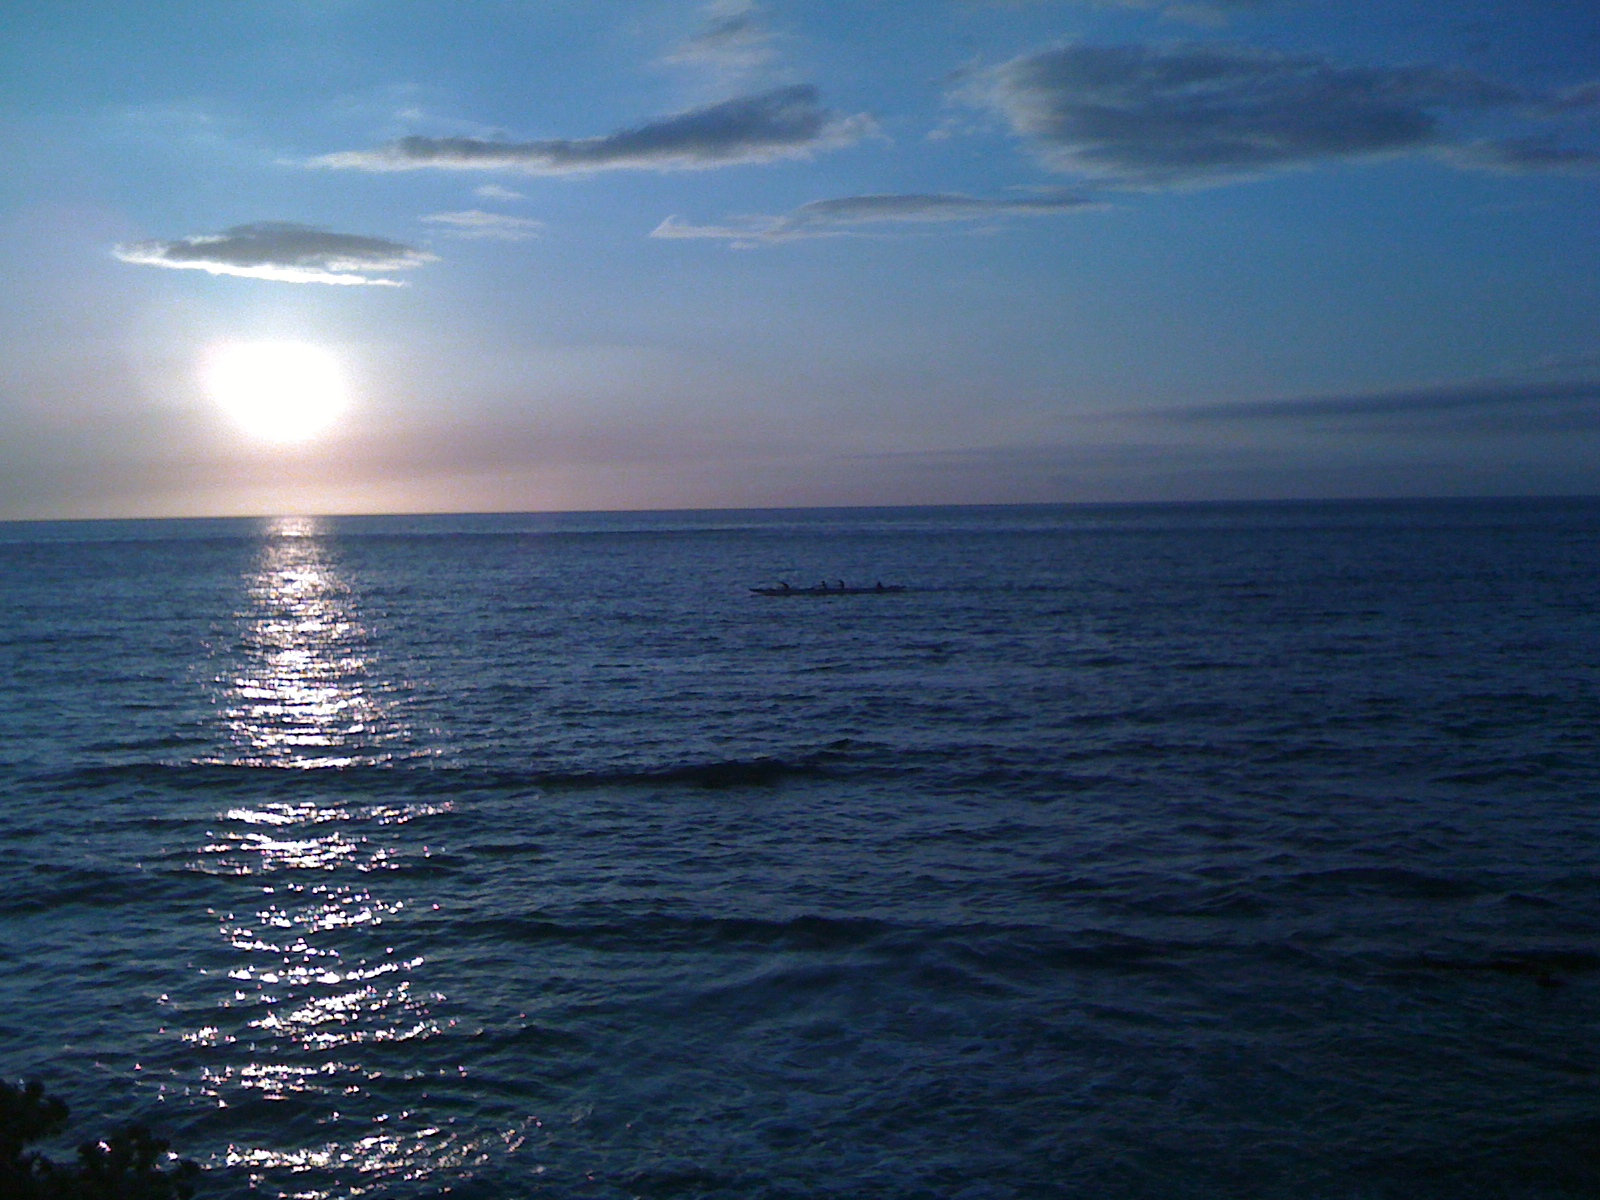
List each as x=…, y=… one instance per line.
x=787, y=122
x=1527, y=154
x=1235, y=5
x=1526, y=405
x=847, y=214
x=281, y=251
x=734, y=45
x=1584, y=97
x=1143, y=116
x=1201, y=12
x=1162, y=5
x=474, y=223
x=493, y=191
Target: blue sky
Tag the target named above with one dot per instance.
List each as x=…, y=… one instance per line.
x=643, y=255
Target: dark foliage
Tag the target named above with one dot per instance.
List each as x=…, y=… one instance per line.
x=124, y=1166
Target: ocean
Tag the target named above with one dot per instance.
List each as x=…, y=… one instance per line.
x=1130, y=851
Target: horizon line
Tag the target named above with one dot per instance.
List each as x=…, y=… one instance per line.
x=1281, y=501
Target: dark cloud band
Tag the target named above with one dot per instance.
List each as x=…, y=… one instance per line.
x=786, y=122
x=1142, y=116
x=1498, y=404
x=281, y=251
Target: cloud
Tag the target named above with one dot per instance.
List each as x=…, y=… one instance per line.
x=1203, y=12
x=1519, y=405
x=475, y=224
x=1581, y=98
x=1575, y=360
x=786, y=122
x=1141, y=116
x=1520, y=155
x=1117, y=471
x=1208, y=10
x=281, y=251
x=845, y=214
x=734, y=44
x=493, y=191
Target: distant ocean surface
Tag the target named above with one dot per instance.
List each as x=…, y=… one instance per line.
x=1171, y=851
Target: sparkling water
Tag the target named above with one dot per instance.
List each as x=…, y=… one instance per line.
x=1211, y=851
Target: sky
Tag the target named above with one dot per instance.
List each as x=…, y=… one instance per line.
x=341, y=256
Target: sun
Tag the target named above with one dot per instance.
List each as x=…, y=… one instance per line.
x=276, y=391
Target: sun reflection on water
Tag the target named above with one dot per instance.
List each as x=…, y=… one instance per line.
x=316, y=977
x=306, y=693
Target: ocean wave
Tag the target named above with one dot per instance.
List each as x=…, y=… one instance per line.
x=668, y=932
x=1393, y=882
x=48, y=887
x=972, y=951
x=432, y=777
x=1548, y=968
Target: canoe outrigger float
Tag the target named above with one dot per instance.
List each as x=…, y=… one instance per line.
x=826, y=589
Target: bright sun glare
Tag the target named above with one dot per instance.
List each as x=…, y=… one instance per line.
x=276, y=391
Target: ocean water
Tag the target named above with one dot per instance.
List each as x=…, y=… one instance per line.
x=1211, y=851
